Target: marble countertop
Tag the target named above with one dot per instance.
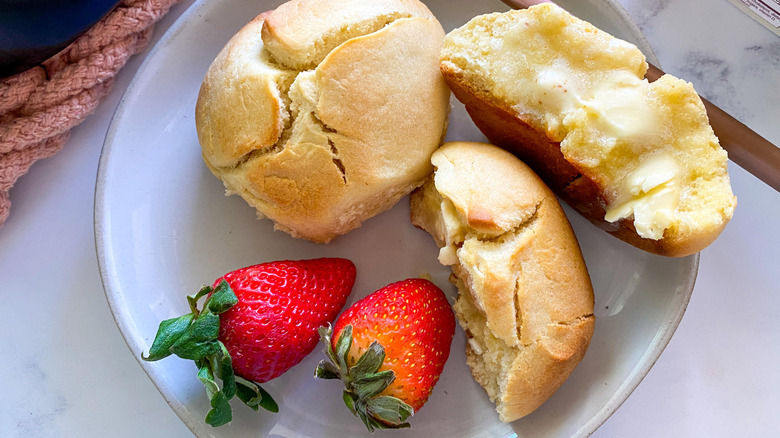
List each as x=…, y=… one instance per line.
x=69, y=373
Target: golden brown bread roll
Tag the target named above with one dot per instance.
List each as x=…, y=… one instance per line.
x=321, y=114
x=637, y=159
x=525, y=298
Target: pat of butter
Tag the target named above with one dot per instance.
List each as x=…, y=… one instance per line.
x=650, y=195
x=620, y=108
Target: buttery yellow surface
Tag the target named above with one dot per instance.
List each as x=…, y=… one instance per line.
x=585, y=89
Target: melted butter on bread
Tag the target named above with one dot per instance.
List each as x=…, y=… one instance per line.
x=650, y=195
x=620, y=108
x=572, y=101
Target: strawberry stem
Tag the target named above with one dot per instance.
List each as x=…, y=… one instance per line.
x=194, y=336
x=363, y=382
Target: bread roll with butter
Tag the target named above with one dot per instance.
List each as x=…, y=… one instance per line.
x=323, y=113
x=525, y=298
x=638, y=159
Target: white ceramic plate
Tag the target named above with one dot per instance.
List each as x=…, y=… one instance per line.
x=163, y=227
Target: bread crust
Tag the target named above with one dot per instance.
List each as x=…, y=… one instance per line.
x=476, y=67
x=525, y=301
x=320, y=150
x=506, y=129
x=240, y=108
x=301, y=33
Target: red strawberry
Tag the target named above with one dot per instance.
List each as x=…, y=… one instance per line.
x=402, y=335
x=280, y=306
x=255, y=324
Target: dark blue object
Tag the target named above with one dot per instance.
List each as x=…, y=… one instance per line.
x=32, y=31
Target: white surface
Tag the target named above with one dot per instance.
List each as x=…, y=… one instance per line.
x=157, y=240
x=69, y=373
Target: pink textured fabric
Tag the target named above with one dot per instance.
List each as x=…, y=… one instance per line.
x=38, y=107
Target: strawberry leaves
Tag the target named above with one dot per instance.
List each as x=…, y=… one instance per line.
x=199, y=339
x=194, y=336
x=169, y=332
x=363, y=382
x=254, y=396
x=221, y=300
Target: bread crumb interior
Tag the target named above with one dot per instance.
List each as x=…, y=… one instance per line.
x=585, y=89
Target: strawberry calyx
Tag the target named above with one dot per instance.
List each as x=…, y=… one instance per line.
x=363, y=382
x=194, y=336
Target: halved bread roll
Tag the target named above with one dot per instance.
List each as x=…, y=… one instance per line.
x=525, y=298
x=321, y=114
x=637, y=159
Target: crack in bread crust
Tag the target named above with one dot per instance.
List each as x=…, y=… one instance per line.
x=524, y=299
x=335, y=152
x=290, y=111
x=576, y=320
x=321, y=145
x=253, y=155
x=326, y=43
x=521, y=227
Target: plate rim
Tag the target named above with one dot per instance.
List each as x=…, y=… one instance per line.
x=129, y=332
x=654, y=351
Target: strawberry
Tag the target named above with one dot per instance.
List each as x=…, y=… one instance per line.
x=389, y=348
x=255, y=324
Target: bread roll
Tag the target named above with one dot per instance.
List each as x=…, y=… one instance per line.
x=321, y=114
x=637, y=159
x=525, y=298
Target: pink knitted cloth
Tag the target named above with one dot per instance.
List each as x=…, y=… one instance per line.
x=38, y=107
